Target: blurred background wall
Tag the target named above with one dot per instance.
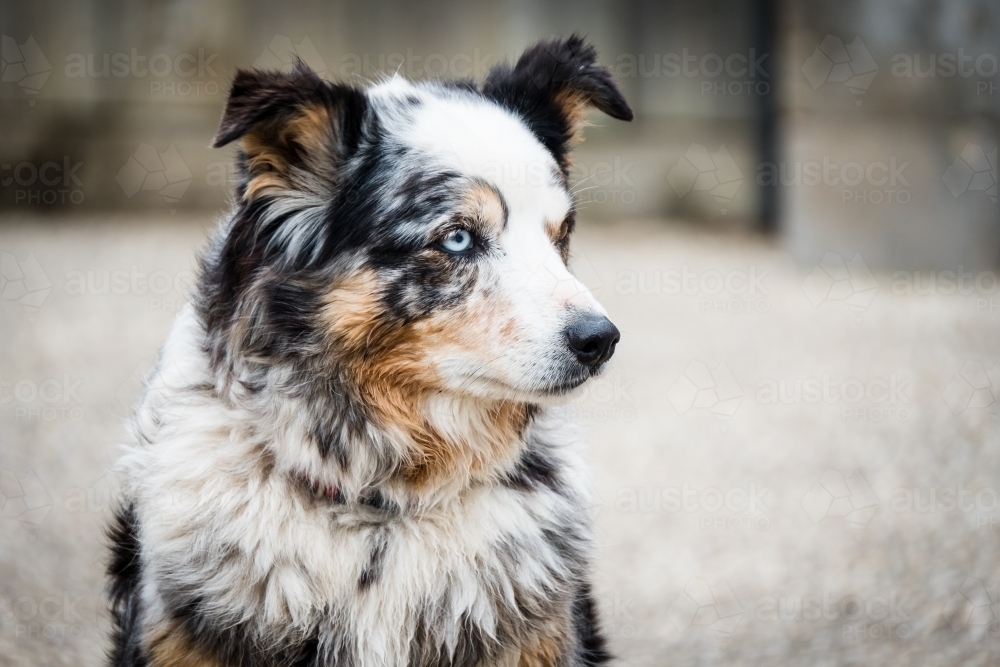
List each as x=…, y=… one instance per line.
x=848, y=127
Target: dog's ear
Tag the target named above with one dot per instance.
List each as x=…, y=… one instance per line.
x=552, y=86
x=295, y=128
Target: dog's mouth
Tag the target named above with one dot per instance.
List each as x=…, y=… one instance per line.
x=565, y=386
x=544, y=389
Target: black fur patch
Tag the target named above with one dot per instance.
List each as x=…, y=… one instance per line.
x=531, y=89
x=472, y=647
x=125, y=573
x=258, y=96
x=239, y=646
x=591, y=643
x=534, y=468
x=378, y=544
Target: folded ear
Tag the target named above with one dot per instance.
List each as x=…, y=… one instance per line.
x=296, y=130
x=552, y=86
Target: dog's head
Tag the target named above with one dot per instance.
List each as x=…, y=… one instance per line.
x=414, y=236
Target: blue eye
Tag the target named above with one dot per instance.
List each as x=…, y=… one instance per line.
x=457, y=241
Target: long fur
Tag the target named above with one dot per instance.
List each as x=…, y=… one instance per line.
x=351, y=451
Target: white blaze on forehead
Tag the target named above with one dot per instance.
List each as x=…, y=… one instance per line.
x=479, y=139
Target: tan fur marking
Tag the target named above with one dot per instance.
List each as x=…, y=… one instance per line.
x=544, y=651
x=268, y=147
x=387, y=376
x=171, y=648
x=556, y=230
x=574, y=106
x=471, y=328
x=390, y=373
x=312, y=129
x=482, y=205
x=508, y=332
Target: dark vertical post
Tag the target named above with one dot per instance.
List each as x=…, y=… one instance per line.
x=766, y=40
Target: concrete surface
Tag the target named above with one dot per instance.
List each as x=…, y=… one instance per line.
x=854, y=523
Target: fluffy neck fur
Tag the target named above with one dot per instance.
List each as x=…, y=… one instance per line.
x=320, y=425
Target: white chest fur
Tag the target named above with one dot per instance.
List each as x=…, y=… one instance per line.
x=221, y=526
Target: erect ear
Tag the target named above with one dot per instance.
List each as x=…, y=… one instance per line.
x=551, y=87
x=296, y=130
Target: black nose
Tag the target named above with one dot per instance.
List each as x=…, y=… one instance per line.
x=592, y=339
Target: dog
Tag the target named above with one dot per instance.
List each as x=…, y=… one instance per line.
x=354, y=449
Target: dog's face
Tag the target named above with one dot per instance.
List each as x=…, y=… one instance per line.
x=417, y=235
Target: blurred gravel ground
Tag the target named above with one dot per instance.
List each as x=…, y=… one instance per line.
x=733, y=530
